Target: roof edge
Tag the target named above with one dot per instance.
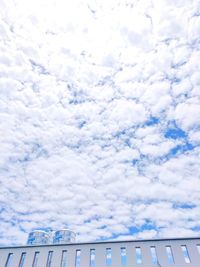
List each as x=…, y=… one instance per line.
x=103, y=242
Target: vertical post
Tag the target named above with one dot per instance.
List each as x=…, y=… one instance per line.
x=57, y=255
x=3, y=256
x=41, y=257
x=193, y=252
x=146, y=254
x=71, y=256
x=161, y=253
x=177, y=253
x=100, y=257
x=130, y=255
x=116, y=255
x=85, y=256
x=16, y=257
x=28, y=262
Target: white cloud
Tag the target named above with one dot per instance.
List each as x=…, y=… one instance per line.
x=125, y=113
x=87, y=94
x=187, y=115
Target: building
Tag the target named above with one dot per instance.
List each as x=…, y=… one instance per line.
x=180, y=252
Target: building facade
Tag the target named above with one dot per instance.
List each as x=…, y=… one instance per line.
x=183, y=252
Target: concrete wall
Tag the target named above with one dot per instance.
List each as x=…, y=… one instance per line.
x=119, y=254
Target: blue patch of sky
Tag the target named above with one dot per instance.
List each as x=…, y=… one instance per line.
x=141, y=163
x=180, y=149
x=177, y=150
x=145, y=227
x=148, y=226
x=103, y=227
x=152, y=121
x=93, y=218
x=81, y=124
x=121, y=133
x=183, y=206
x=127, y=142
x=134, y=230
x=196, y=228
x=131, y=230
x=134, y=162
x=172, y=132
x=175, y=80
x=125, y=133
x=125, y=136
x=175, y=133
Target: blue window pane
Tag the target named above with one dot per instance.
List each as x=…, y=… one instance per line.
x=64, y=259
x=138, y=255
x=35, y=260
x=185, y=254
x=78, y=258
x=123, y=256
x=154, y=255
x=92, y=257
x=9, y=260
x=108, y=256
x=49, y=259
x=169, y=255
x=21, y=263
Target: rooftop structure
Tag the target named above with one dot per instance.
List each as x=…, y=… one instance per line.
x=179, y=252
x=40, y=237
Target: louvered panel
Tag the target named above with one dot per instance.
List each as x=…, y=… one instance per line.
x=113, y=251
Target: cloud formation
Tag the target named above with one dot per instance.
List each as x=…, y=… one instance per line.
x=99, y=118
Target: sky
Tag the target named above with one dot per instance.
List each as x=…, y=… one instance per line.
x=100, y=118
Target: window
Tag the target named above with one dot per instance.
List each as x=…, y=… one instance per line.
x=78, y=258
x=138, y=255
x=21, y=263
x=185, y=254
x=35, y=260
x=49, y=259
x=154, y=255
x=92, y=257
x=64, y=259
x=108, y=256
x=123, y=256
x=169, y=255
x=9, y=260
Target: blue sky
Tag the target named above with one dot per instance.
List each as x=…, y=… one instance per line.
x=100, y=118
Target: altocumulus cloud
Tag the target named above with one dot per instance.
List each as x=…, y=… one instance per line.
x=100, y=118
